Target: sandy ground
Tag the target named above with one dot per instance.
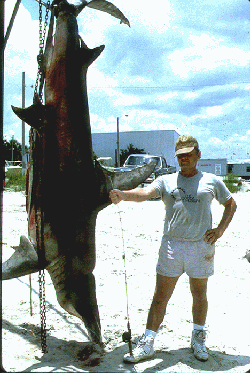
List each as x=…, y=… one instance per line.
x=229, y=298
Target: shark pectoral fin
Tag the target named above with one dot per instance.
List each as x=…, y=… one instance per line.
x=33, y=115
x=131, y=179
x=22, y=262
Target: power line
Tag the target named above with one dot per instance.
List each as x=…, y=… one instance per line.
x=169, y=87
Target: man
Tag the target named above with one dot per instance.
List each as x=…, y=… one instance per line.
x=187, y=243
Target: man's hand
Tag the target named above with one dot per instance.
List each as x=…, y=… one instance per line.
x=212, y=235
x=134, y=195
x=116, y=196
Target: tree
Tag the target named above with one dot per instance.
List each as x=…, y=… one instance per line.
x=13, y=149
x=131, y=149
x=233, y=182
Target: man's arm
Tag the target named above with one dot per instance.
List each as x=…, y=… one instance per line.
x=212, y=235
x=135, y=195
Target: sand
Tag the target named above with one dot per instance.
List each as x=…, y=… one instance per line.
x=139, y=226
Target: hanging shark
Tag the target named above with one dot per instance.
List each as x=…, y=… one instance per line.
x=66, y=187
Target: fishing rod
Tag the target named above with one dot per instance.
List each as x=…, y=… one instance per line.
x=126, y=336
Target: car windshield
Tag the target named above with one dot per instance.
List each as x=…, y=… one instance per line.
x=139, y=161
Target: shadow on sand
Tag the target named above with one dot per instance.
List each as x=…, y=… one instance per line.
x=63, y=356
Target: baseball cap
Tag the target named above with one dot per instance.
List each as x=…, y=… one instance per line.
x=185, y=144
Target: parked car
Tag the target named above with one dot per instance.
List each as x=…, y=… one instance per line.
x=137, y=160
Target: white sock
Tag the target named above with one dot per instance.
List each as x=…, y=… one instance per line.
x=198, y=327
x=150, y=333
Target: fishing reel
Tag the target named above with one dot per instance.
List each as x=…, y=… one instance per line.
x=126, y=336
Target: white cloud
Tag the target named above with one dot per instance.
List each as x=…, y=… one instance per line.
x=97, y=79
x=149, y=120
x=236, y=138
x=214, y=111
x=230, y=147
x=167, y=96
x=125, y=100
x=98, y=124
x=171, y=47
x=23, y=44
x=188, y=95
x=206, y=53
x=215, y=141
x=156, y=18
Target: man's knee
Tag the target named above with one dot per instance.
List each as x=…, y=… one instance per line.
x=164, y=288
x=198, y=288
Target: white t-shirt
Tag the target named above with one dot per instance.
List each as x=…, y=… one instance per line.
x=188, y=203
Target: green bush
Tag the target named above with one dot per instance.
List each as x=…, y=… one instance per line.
x=233, y=182
x=15, y=182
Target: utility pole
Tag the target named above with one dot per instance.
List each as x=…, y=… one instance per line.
x=118, y=145
x=23, y=127
x=12, y=150
x=2, y=8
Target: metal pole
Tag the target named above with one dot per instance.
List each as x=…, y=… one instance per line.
x=118, y=144
x=1, y=93
x=1, y=152
x=12, y=150
x=23, y=127
x=11, y=22
x=31, y=308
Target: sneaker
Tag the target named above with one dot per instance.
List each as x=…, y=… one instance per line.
x=143, y=350
x=198, y=345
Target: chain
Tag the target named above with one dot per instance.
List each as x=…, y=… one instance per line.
x=42, y=33
x=40, y=232
x=41, y=258
x=42, y=309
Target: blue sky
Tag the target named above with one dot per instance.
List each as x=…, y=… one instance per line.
x=183, y=65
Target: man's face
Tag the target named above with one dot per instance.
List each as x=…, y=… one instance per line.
x=188, y=161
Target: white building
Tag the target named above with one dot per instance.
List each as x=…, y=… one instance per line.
x=239, y=169
x=213, y=166
x=223, y=167
x=159, y=142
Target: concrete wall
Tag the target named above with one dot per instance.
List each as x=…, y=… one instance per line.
x=160, y=142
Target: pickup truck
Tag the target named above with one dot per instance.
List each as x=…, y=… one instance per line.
x=136, y=160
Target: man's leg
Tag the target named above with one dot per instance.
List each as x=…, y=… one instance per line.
x=198, y=289
x=163, y=290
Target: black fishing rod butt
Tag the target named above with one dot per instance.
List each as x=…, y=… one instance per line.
x=126, y=336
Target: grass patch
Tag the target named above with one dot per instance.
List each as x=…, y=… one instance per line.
x=16, y=182
x=233, y=183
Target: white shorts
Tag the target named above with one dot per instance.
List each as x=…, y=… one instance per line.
x=195, y=258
